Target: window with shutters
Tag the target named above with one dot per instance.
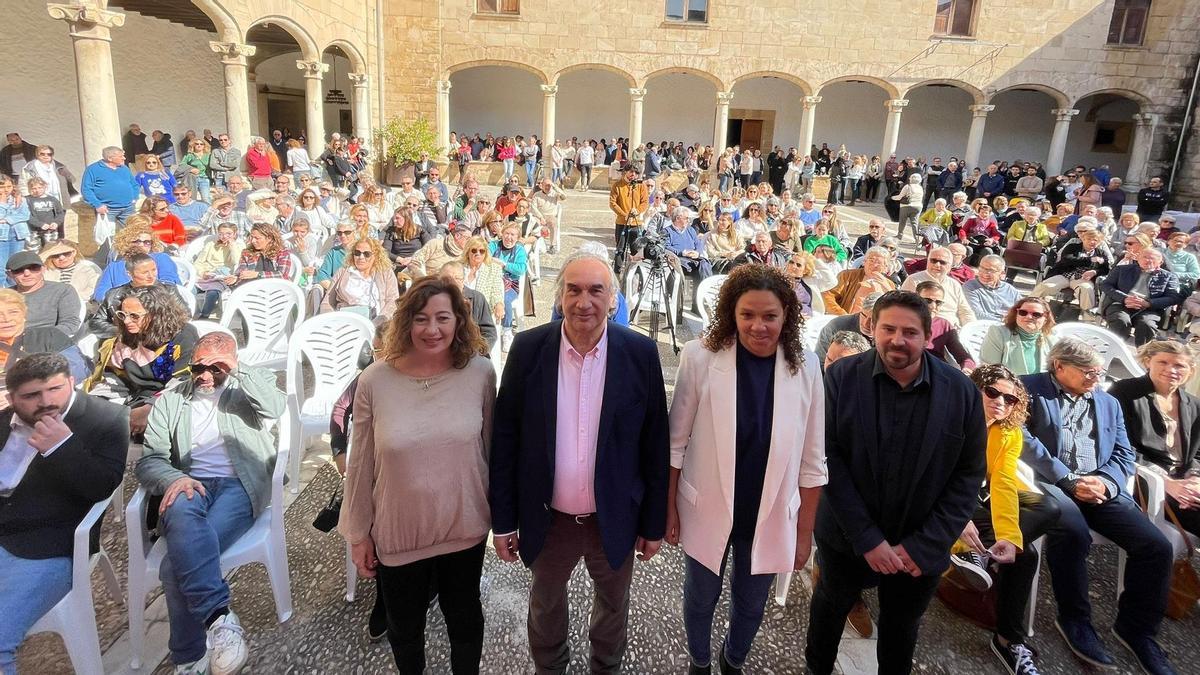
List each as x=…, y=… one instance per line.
x=954, y=17
x=687, y=11
x=1128, y=25
x=503, y=7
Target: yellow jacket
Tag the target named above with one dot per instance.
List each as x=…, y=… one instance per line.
x=1003, y=451
x=625, y=198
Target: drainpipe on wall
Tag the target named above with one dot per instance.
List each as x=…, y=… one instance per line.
x=1187, y=122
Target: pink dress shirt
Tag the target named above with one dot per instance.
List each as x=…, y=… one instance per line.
x=580, y=397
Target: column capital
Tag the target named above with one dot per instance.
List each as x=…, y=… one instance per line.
x=1145, y=119
x=313, y=70
x=87, y=19
x=724, y=97
x=443, y=86
x=359, y=79
x=638, y=94
x=1063, y=114
x=895, y=105
x=232, y=53
x=549, y=89
x=810, y=101
x=981, y=110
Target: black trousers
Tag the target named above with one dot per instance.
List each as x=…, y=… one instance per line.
x=902, y=602
x=1037, y=515
x=405, y=590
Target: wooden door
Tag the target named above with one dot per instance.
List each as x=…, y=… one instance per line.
x=751, y=136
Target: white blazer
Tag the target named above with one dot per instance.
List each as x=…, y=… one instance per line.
x=703, y=438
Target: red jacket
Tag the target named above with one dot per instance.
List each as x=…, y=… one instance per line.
x=973, y=223
x=170, y=230
x=258, y=163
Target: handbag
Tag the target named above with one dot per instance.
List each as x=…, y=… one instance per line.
x=1023, y=253
x=327, y=518
x=1184, y=590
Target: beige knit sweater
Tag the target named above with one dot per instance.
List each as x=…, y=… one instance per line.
x=417, y=481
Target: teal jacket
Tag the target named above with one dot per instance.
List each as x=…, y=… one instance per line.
x=250, y=400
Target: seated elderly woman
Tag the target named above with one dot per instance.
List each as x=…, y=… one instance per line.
x=1163, y=423
x=18, y=340
x=136, y=238
x=1022, y=342
x=365, y=284
x=1079, y=265
x=762, y=251
x=810, y=281
x=143, y=272
x=152, y=347
x=65, y=264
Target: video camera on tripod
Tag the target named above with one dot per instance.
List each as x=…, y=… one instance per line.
x=651, y=244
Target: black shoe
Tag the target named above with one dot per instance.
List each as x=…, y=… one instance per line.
x=1085, y=643
x=1016, y=657
x=694, y=669
x=971, y=568
x=377, y=628
x=727, y=669
x=1149, y=655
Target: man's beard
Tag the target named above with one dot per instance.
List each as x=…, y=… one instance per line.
x=42, y=413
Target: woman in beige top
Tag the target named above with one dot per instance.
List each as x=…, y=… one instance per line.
x=484, y=274
x=415, y=506
x=723, y=244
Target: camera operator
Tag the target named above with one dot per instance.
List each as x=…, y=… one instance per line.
x=628, y=198
x=681, y=239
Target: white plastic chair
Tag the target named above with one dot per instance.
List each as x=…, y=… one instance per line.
x=813, y=326
x=297, y=267
x=263, y=543
x=195, y=247
x=971, y=335
x=707, y=293
x=189, y=300
x=74, y=617
x=204, y=327
x=267, y=305
x=186, y=271
x=1110, y=346
x=637, y=277
x=331, y=343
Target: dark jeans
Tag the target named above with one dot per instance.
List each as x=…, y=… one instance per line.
x=1015, y=579
x=625, y=238
x=569, y=539
x=208, y=303
x=835, y=191
x=747, y=602
x=872, y=189
x=1147, y=568
x=406, y=590
x=902, y=602
x=1121, y=319
x=850, y=189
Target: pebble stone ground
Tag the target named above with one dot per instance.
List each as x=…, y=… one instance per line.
x=326, y=634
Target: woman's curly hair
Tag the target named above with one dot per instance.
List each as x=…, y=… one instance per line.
x=722, y=332
x=135, y=227
x=467, y=342
x=166, y=315
x=989, y=375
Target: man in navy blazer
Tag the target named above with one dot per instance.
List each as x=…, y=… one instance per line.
x=1075, y=441
x=579, y=463
x=905, y=445
x=1136, y=296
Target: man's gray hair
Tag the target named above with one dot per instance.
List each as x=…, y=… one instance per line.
x=110, y=151
x=1070, y=351
x=1037, y=213
x=992, y=257
x=286, y=199
x=959, y=195
x=880, y=251
x=851, y=341
x=681, y=211
x=591, y=250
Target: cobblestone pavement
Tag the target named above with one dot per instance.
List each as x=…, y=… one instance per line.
x=326, y=633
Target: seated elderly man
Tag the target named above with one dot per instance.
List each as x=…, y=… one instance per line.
x=762, y=250
x=223, y=210
x=856, y=284
x=50, y=303
x=955, y=307
x=859, y=323
x=210, y=456
x=1138, y=296
x=845, y=343
x=1076, y=444
x=687, y=246
x=988, y=294
x=50, y=476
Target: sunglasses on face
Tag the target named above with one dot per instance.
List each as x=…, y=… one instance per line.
x=130, y=316
x=934, y=261
x=27, y=268
x=200, y=368
x=362, y=254
x=1029, y=313
x=345, y=233
x=143, y=242
x=65, y=254
x=995, y=394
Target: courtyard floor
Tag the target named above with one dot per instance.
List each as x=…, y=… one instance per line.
x=326, y=633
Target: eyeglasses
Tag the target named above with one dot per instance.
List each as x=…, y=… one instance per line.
x=1093, y=374
x=1029, y=313
x=933, y=302
x=995, y=394
x=127, y=316
x=143, y=242
x=938, y=261
x=27, y=268
x=343, y=233
x=45, y=154
x=363, y=254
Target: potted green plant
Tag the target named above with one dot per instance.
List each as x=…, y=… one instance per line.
x=401, y=143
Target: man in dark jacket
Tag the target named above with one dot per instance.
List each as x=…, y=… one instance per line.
x=63, y=451
x=1151, y=200
x=901, y=486
x=1137, y=296
x=15, y=155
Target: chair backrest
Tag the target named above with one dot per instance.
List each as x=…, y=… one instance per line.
x=813, y=327
x=196, y=246
x=204, y=327
x=297, y=267
x=332, y=343
x=707, y=293
x=187, y=272
x=189, y=299
x=1112, y=349
x=971, y=335
x=266, y=305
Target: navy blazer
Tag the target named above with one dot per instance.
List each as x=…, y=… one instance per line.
x=632, y=447
x=1164, y=289
x=1114, y=454
x=949, y=468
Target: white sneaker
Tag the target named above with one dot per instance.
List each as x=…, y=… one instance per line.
x=506, y=340
x=227, y=649
x=194, y=668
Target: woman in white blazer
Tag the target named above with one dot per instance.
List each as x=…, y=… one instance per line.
x=747, y=458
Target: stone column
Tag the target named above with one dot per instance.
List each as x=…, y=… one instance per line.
x=979, y=115
x=891, y=132
x=237, y=93
x=100, y=121
x=721, y=130
x=549, y=101
x=636, y=98
x=443, y=112
x=360, y=107
x=314, y=103
x=807, y=122
x=1139, y=151
x=1058, y=141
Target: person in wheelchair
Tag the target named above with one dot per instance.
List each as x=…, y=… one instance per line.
x=981, y=233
